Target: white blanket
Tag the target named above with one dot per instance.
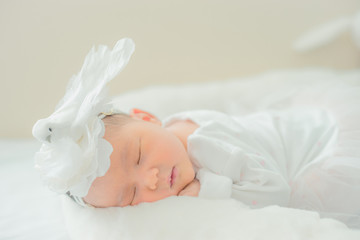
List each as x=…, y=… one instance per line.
x=196, y=218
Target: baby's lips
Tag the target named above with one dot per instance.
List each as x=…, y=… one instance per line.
x=174, y=174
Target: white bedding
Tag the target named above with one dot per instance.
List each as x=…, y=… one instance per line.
x=195, y=218
x=28, y=211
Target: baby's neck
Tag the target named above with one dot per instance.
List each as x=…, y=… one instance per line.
x=182, y=129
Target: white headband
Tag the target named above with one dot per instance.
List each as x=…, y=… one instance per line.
x=73, y=152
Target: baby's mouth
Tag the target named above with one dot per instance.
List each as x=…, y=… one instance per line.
x=173, y=176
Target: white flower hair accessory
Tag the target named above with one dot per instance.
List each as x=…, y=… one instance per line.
x=74, y=152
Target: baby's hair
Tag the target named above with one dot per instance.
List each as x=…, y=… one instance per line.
x=115, y=121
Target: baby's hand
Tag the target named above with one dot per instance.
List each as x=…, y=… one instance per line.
x=192, y=189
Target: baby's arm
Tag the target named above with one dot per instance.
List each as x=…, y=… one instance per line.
x=192, y=189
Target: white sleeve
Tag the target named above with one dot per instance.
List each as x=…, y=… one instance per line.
x=259, y=182
x=241, y=164
x=213, y=185
x=258, y=187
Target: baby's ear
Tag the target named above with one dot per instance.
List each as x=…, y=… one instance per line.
x=143, y=115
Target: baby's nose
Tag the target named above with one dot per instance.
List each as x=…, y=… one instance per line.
x=152, y=178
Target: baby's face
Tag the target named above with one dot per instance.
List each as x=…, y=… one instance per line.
x=148, y=163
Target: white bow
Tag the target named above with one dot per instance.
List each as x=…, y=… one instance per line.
x=74, y=153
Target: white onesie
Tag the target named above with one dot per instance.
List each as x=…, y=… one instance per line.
x=281, y=158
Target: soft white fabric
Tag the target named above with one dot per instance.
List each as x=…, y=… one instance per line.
x=213, y=185
x=28, y=210
x=180, y=218
x=261, y=159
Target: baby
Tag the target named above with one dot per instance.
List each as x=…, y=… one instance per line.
x=148, y=163
x=288, y=158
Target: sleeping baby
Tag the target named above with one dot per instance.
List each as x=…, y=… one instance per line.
x=148, y=163
x=304, y=158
